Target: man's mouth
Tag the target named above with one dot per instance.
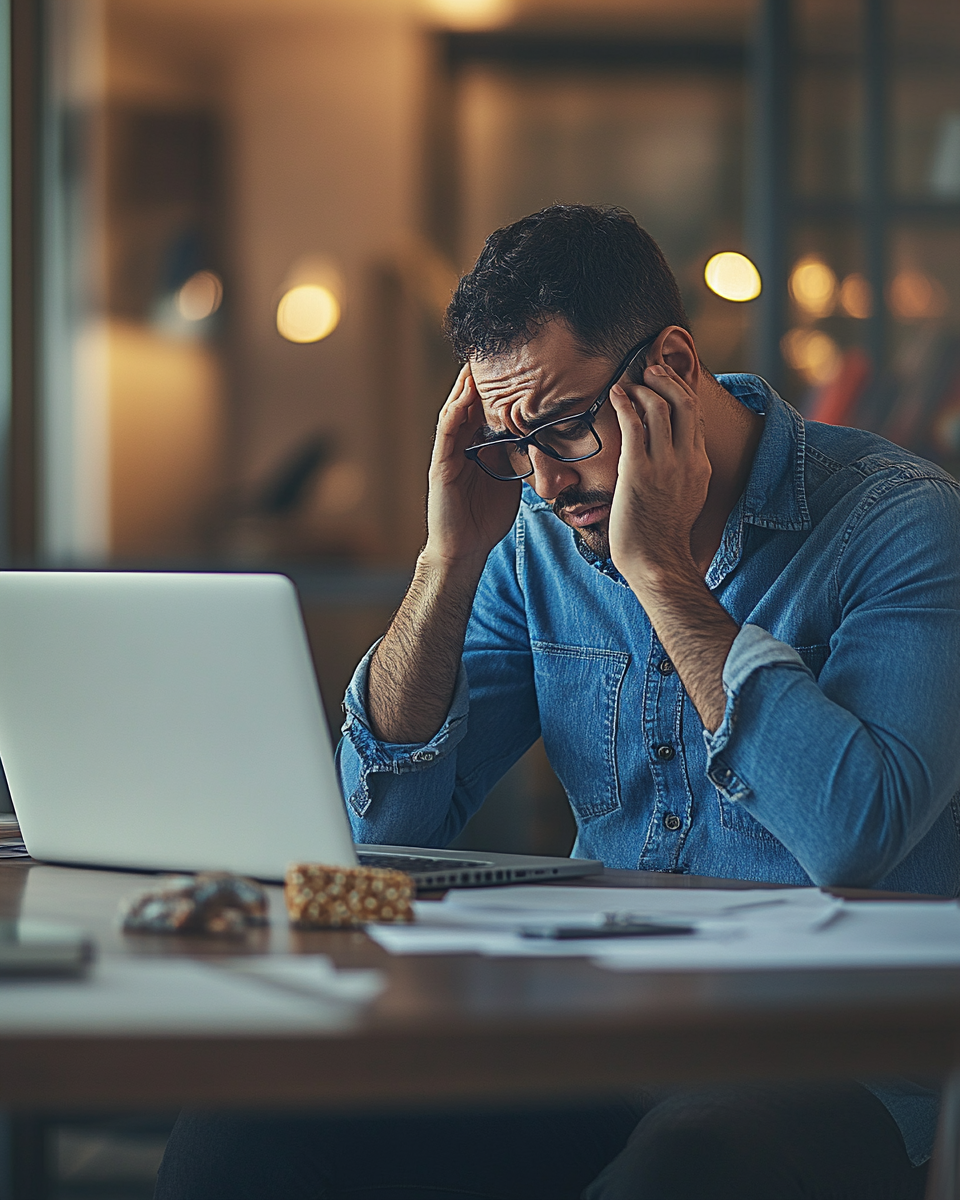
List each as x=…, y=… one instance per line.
x=583, y=516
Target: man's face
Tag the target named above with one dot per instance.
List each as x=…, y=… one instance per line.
x=541, y=381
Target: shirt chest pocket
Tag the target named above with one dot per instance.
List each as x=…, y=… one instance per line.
x=578, y=693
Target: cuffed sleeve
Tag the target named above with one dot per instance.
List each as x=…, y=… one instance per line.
x=362, y=754
x=376, y=755
x=752, y=649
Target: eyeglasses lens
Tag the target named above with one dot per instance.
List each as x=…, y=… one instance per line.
x=504, y=460
x=569, y=441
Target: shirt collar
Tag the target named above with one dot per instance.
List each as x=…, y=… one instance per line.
x=775, y=496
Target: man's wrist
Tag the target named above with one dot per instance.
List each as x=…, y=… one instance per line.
x=452, y=569
x=655, y=583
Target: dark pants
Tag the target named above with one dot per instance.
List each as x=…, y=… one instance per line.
x=743, y=1142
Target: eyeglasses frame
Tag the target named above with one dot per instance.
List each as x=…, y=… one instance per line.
x=589, y=415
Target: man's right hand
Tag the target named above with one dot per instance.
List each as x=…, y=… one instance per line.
x=413, y=672
x=468, y=512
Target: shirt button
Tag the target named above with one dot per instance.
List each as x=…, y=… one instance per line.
x=672, y=822
x=665, y=752
x=665, y=666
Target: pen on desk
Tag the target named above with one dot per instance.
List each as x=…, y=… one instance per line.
x=612, y=929
x=834, y=913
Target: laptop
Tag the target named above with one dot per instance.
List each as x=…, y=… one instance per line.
x=172, y=722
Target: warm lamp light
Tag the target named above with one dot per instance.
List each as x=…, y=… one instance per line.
x=813, y=286
x=470, y=14
x=856, y=299
x=732, y=276
x=200, y=296
x=914, y=296
x=307, y=313
x=813, y=353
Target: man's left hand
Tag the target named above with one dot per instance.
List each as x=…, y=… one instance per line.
x=663, y=478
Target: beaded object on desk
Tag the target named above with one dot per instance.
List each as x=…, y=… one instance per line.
x=211, y=902
x=321, y=897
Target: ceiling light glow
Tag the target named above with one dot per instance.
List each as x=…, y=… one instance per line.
x=732, y=276
x=307, y=313
x=470, y=14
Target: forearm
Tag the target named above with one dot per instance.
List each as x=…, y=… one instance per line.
x=696, y=633
x=414, y=669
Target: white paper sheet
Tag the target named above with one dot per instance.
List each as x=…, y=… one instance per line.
x=126, y=995
x=488, y=922
x=872, y=933
x=653, y=902
x=310, y=975
x=797, y=928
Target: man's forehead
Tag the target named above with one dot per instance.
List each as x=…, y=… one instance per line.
x=543, y=372
x=508, y=378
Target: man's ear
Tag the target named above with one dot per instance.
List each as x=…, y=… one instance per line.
x=675, y=348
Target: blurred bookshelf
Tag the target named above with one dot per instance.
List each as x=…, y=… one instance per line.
x=856, y=215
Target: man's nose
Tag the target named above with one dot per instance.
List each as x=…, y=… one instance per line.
x=550, y=477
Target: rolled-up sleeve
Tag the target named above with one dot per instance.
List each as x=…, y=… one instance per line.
x=850, y=770
x=423, y=794
x=361, y=755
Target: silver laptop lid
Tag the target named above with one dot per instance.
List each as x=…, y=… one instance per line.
x=167, y=721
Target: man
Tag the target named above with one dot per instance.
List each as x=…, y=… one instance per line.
x=737, y=634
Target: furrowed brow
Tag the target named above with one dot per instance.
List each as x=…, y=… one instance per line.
x=488, y=434
x=553, y=412
x=572, y=406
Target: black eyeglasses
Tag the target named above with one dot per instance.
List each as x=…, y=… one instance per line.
x=570, y=439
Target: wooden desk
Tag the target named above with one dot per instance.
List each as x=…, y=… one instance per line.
x=467, y=1029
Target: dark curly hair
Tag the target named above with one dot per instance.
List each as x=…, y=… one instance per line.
x=594, y=267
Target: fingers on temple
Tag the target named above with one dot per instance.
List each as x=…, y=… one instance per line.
x=459, y=404
x=685, y=410
x=459, y=421
x=632, y=433
x=463, y=387
x=656, y=414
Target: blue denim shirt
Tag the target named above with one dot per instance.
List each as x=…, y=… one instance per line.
x=836, y=761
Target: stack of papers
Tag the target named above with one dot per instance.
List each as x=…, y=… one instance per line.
x=11, y=843
x=743, y=930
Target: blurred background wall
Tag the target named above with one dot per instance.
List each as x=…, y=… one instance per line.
x=250, y=215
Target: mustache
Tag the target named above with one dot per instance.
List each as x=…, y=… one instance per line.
x=573, y=497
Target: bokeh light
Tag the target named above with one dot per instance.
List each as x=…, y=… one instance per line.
x=813, y=353
x=813, y=286
x=470, y=14
x=200, y=296
x=307, y=313
x=914, y=296
x=856, y=298
x=732, y=276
